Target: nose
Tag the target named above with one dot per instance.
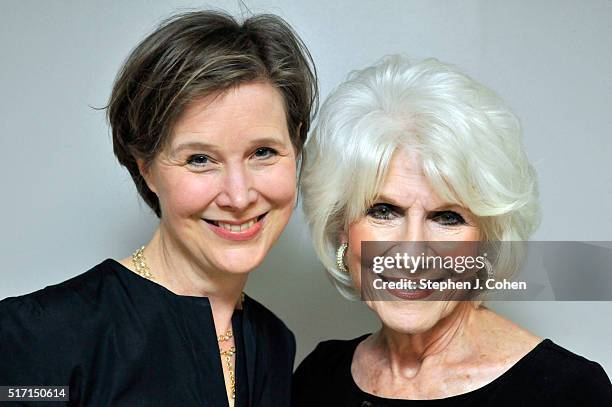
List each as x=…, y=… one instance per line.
x=414, y=230
x=237, y=192
x=414, y=234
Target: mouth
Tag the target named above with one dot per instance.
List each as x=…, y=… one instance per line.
x=407, y=293
x=236, y=226
x=237, y=230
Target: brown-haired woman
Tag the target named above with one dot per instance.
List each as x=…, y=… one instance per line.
x=209, y=116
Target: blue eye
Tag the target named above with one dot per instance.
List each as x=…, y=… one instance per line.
x=448, y=218
x=264, y=152
x=198, y=160
x=381, y=211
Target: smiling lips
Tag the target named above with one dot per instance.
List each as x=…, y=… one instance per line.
x=417, y=294
x=237, y=231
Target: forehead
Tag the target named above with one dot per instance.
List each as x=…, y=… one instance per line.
x=250, y=109
x=406, y=183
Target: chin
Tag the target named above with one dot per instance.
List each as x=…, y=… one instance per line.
x=238, y=266
x=240, y=261
x=410, y=317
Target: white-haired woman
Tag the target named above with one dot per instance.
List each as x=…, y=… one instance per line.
x=421, y=152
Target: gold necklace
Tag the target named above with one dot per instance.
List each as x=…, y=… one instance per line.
x=140, y=264
x=141, y=268
x=227, y=355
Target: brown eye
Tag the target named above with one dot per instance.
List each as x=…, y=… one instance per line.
x=448, y=218
x=381, y=211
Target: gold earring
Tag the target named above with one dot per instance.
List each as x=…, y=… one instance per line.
x=340, y=258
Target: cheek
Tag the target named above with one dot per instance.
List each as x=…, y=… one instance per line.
x=362, y=231
x=186, y=195
x=472, y=233
x=278, y=185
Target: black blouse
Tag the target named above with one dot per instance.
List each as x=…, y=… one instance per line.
x=117, y=339
x=549, y=375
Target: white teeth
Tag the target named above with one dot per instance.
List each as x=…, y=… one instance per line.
x=237, y=228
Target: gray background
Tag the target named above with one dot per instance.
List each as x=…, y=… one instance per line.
x=67, y=205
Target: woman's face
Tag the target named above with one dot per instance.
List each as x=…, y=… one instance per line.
x=408, y=209
x=226, y=181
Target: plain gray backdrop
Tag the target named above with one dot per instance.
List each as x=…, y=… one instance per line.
x=67, y=204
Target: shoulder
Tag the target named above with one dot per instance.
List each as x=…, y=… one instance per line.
x=62, y=313
x=57, y=302
x=336, y=354
x=340, y=347
x=324, y=371
x=337, y=346
x=569, y=376
x=42, y=332
x=552, y=357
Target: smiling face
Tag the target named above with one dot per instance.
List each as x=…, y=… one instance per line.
x=226, y=180
x=408, y=209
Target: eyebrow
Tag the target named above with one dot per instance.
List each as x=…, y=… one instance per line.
x=192, y=145
x=198, y=145
x=442, y=206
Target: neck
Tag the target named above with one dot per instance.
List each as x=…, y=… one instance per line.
x=175, y=268
x=447, y=341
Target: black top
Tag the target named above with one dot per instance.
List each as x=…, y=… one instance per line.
x=118, y=339
x=549, y=375
x=242, y=386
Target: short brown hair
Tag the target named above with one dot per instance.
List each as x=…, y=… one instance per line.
x=195, y=54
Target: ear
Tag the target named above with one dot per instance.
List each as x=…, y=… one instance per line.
x=343, y=237
x=145, y=172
